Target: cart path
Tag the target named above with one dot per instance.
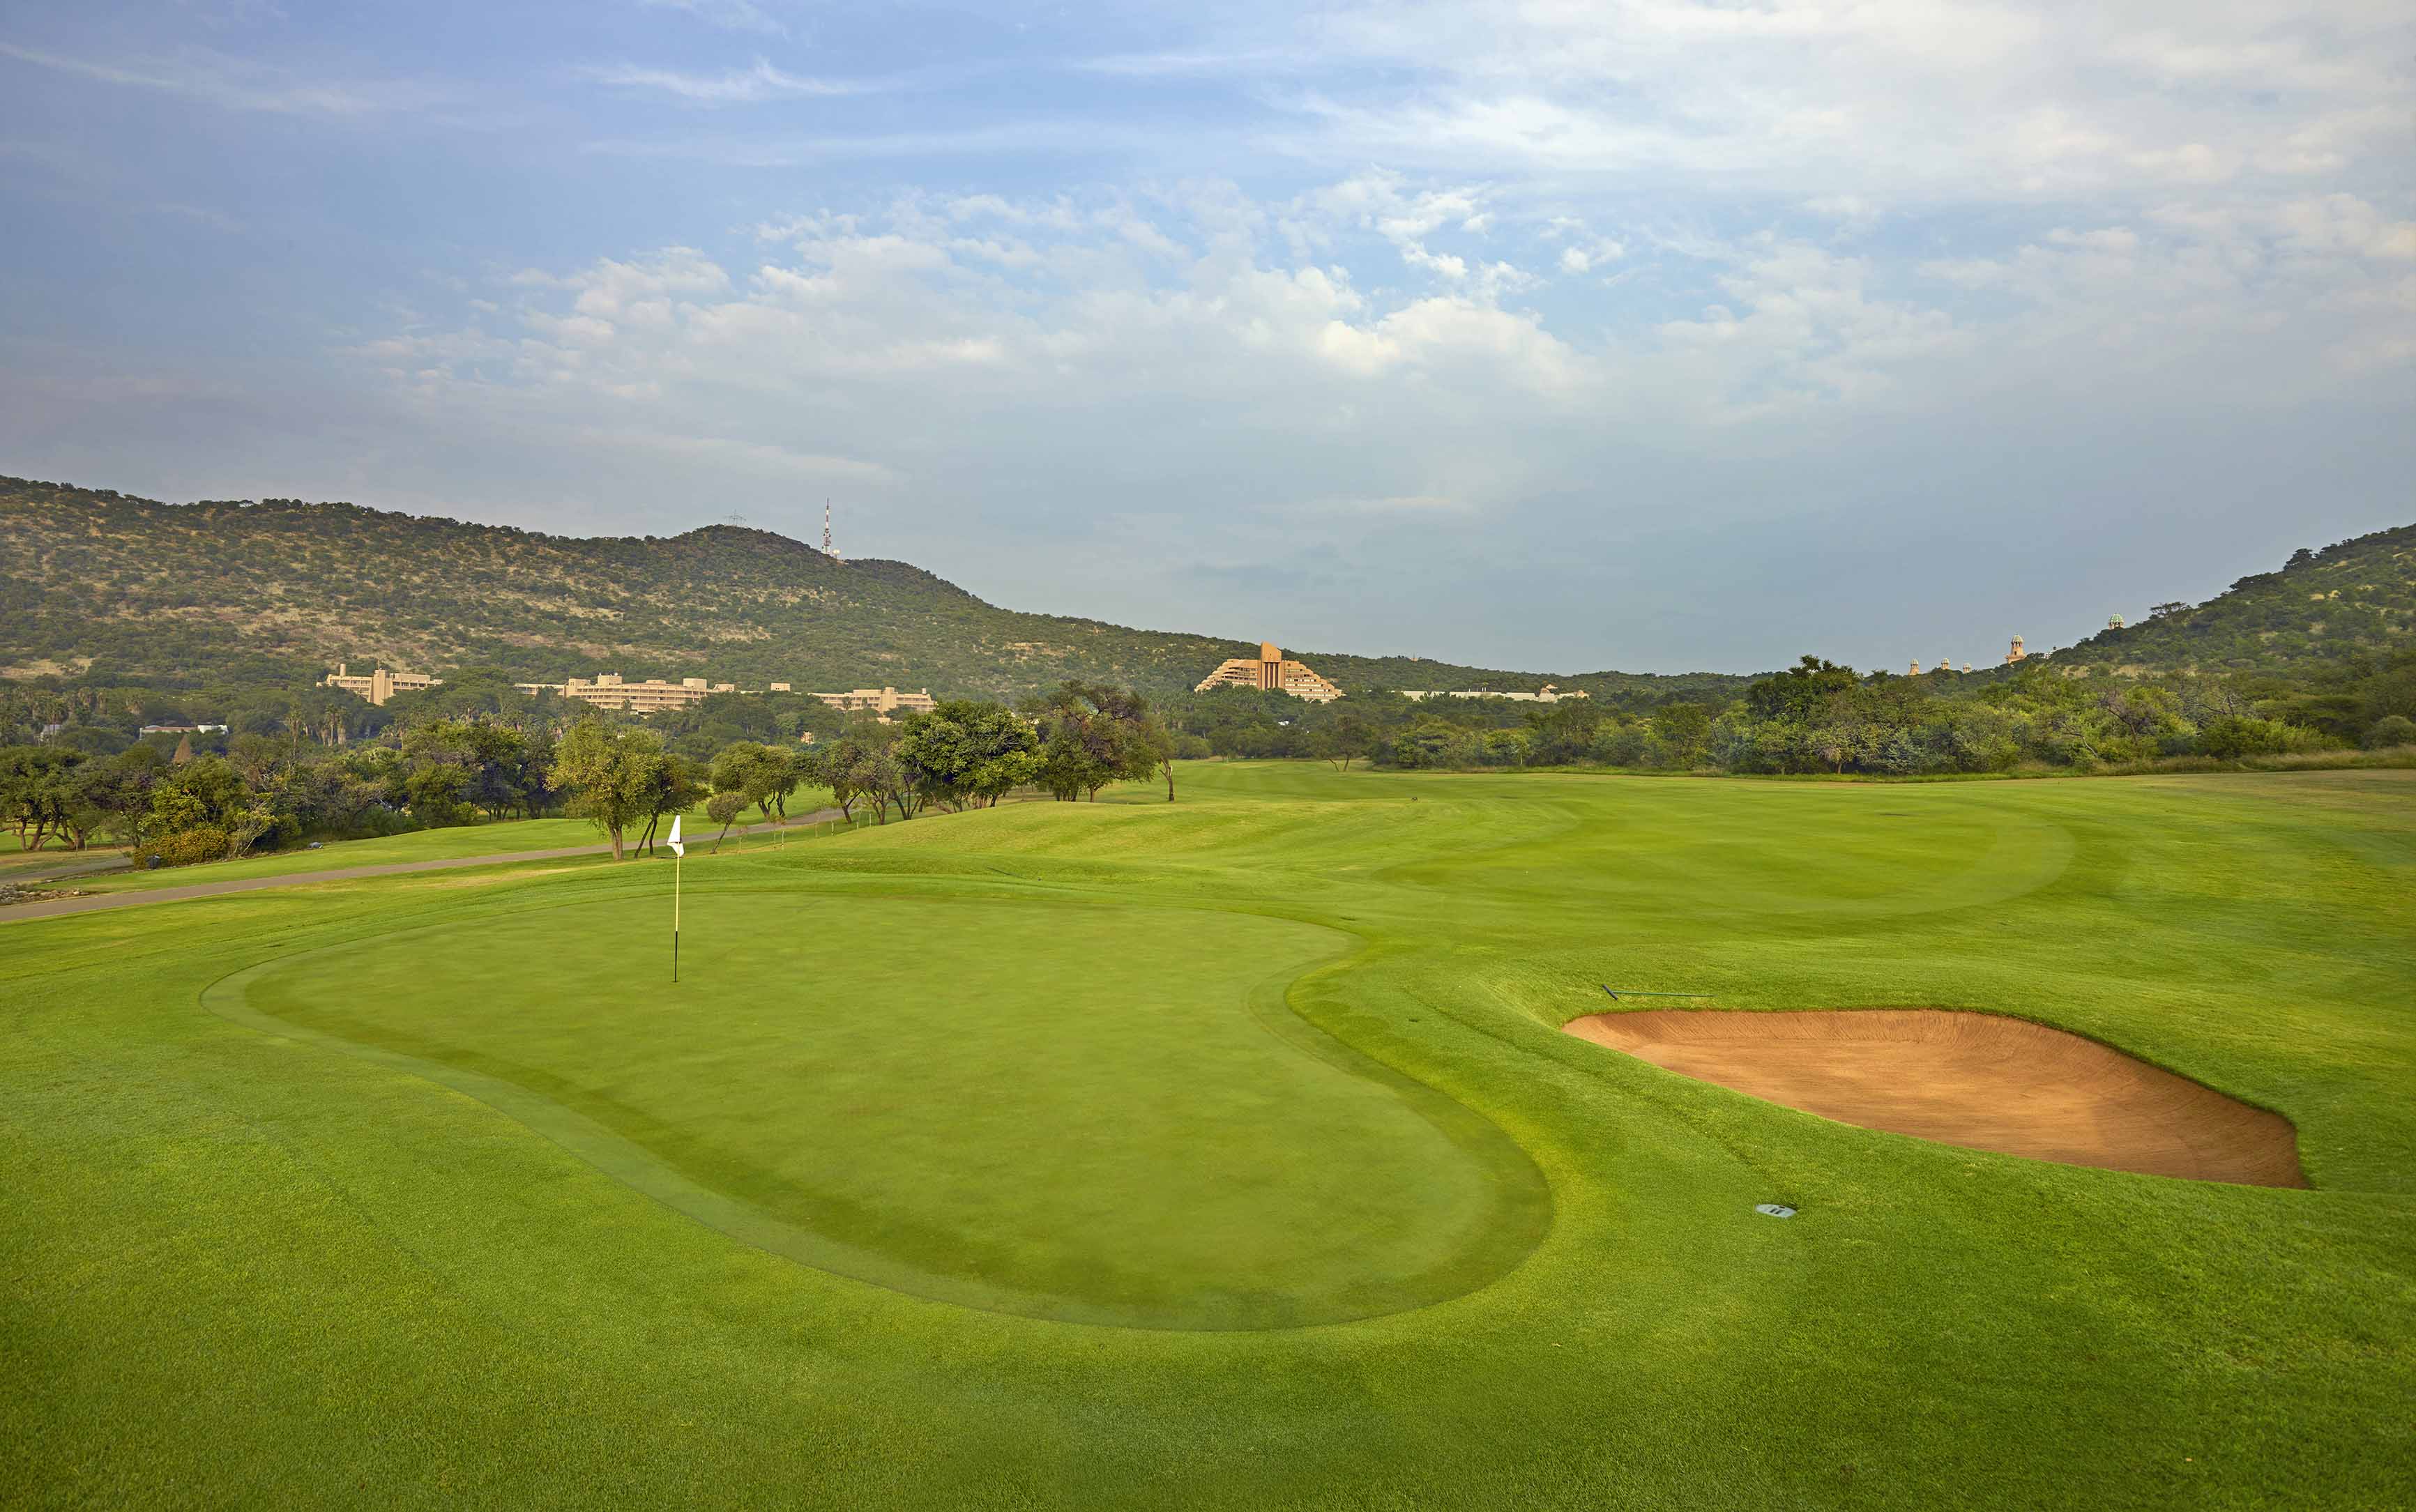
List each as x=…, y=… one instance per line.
x=52, y=908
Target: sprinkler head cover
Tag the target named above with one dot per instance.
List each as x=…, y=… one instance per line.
x=1774, y=1209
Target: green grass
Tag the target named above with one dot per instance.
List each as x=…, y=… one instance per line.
x=1218, y=1154
x=498, y=838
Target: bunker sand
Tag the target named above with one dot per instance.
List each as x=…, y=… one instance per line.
x=1976, y=1080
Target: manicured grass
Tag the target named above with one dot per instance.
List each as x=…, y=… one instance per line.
x=1122, y=1133
x=498, y=838
x=971, y=1158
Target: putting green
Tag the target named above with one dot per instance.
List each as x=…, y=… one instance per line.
x=1077, y=1111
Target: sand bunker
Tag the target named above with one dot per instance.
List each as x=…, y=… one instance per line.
x=1971, y=1079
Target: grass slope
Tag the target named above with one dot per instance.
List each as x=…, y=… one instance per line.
x=302, y=1267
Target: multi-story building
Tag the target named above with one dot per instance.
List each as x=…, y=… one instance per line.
x=1273, y=671
x=880, y=702
x=1548, y=694
x=609, y=690
x=381, y=684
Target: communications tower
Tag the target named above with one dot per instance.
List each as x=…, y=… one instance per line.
x=826, y=535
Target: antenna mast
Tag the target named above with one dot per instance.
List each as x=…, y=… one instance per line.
x=826, y=534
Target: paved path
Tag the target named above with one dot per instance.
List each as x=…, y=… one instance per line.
x=51, y=907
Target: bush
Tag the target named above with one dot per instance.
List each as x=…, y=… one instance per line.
x=190, y=847
x=2390, y=730
x=2232, y=737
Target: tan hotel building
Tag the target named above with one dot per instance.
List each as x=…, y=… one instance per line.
x=608, y=690
x=883, y=702
x=380, y=684
x=1273, y=671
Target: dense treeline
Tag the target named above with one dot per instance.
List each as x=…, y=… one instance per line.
x=1821, y=717
x=294, y=767
x=301, y=765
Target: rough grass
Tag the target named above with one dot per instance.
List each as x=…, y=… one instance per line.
x=244, y=1267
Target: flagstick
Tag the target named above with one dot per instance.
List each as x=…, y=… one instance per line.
x=675, y=902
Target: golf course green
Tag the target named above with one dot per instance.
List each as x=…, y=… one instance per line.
x=1225, y=1153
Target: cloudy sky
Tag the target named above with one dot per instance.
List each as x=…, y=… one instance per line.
x=1639, y=334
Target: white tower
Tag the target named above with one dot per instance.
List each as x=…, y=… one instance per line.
x=826, y=534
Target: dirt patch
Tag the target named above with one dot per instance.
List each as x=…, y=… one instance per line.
x=1976, y=1080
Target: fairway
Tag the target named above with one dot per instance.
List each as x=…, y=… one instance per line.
x=1227, y=1153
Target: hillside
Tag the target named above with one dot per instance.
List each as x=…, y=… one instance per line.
x=106, y=585
x=2353, y=596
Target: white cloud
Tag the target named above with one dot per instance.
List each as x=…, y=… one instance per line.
x=1876, y=101
x=730, y=15
x=238, y=84
x=732, y=86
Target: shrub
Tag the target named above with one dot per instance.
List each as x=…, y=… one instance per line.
x=2390, y=730
x=2233, y=736
x=187, y=848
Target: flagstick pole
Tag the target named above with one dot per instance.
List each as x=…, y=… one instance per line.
x=675, y=911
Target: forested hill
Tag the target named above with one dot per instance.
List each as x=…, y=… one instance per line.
x=103, y=585
x=2356, y=596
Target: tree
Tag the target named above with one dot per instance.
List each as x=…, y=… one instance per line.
x=674, y=786
x=454, y=766
x=1801, y=691
x=115, y=794
x=1563, y=732
x=614, y=774
x=1426, y=743
x=845, y=766
x=966, y=752
x=1682, y=729
x=2391, y=730
x=754, y=771
x=1160, y=742
x=1092, y=734
x=890, y=781
x=36, y=790
x=207, y=796
x=723, y=809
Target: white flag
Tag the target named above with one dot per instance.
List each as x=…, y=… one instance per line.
x=677, y=850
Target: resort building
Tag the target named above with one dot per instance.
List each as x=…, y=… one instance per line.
x=608, y=690
x=380, y=684
x=2017, y=654
x=1273, y=671
x=1548, y=694
x=880, y=702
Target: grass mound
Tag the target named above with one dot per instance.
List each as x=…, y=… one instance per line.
x=1080, y=1111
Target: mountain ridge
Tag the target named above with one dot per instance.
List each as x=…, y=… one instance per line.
x=94, y=582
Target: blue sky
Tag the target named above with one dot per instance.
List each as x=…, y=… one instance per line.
x=1650, y=335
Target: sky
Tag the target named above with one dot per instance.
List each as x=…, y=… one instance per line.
x=1644, y=335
